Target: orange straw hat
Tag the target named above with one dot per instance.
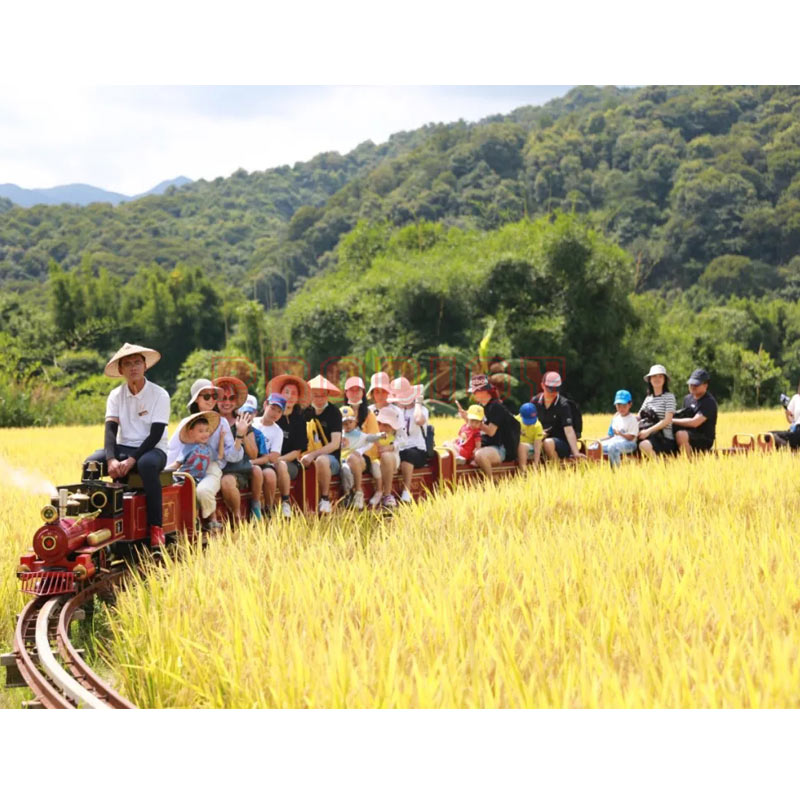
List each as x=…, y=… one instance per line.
x=211, y=417
x=279, y=381
x=150, y=357
x=239, y=387
x=380, y=380
x=401, y=391
x=321, y=382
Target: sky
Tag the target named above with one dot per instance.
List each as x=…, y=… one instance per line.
x=129, y=138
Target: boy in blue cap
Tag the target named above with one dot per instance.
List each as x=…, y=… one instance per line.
x=531, y=435
x=623, y=431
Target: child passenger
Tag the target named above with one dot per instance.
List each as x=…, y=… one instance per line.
x=623, y=431
x=393, y=440
x=269, y=454
x=531, y=435
x=355, y=445
x=469, y=435
x=195, y=457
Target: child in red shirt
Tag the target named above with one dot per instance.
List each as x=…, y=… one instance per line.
x=469, y=436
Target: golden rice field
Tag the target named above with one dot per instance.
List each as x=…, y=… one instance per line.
x=670, y=584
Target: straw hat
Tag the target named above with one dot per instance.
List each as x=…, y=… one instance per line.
x=150, y=357
x=403, y=392
x=321, y=382
x=210, y=416
x=241, y=389
x=279, y=381
x=380, y=380
x=198, y=387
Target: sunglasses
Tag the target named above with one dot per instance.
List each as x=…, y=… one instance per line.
x=208, y=396
x=227, y=398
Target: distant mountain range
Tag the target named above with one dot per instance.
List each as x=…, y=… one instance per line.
x=79, y=194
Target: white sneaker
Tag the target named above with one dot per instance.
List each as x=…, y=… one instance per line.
x=375, y=500
x=358, y=500
x=324, y=507
x=286, y=509
x=405, y=497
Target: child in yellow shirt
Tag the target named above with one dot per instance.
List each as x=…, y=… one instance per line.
x=531, y=435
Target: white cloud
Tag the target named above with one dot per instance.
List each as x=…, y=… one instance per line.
x=127, y=139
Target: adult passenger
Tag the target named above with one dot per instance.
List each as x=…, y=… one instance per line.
x=656, y=436
x=293, y=424
x=324, y=424
x=698, y=429
x=555, y=414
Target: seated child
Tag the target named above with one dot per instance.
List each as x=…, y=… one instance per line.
x=531, y=435
x=354, y=440
x=393, y=440
x=256, y=475
x=469, y=435
x=623, y=431
x=196, y=456
x=269, y=438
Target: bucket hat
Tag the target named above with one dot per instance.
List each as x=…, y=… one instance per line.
x=657, y=369
x=380, y=380
x=200, y=385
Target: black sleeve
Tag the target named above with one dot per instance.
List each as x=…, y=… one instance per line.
x=495, y=414
x=153, y=438
x=566, y=413
x=110, y=442
x=335, y=419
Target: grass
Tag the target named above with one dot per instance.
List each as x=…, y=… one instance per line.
x=667, y=584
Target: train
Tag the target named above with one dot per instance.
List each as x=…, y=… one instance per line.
x=90, y=525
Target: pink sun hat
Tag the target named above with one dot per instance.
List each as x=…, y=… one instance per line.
x=380, y=380
x=403, y=392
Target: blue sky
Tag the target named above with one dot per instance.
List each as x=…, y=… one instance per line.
x=128, y=138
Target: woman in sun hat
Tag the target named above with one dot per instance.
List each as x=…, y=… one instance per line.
x=240, y=474
x=226, y=450
x=500, y=432
x=324, y=424
x=408, y=399
x=655, y=415
x=297, y=394
x=137, y=414
x=358, y=461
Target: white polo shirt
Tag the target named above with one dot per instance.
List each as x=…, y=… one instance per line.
x=137, y=412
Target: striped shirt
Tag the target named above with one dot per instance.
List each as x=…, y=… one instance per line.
x=661, y=404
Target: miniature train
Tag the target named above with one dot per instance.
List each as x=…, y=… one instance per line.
x=89, y=525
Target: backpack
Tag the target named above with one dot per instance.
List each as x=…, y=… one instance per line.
x=575, y=410
x=430, y=444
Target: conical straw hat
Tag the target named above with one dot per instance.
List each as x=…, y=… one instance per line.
x=150, y=357
x=321, y=382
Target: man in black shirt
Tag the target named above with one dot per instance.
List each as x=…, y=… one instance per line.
x=555, y=414
x=325, y=433
x=697, y=428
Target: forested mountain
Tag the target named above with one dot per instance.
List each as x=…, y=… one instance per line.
x=689, y=197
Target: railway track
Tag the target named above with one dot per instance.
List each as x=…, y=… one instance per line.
x=48, y=662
